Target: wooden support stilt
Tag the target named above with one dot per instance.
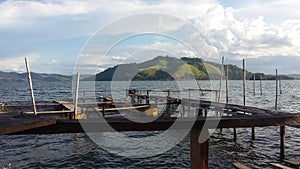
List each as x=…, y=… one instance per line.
x=234, y=134
x=280, y=90
x=148, y=97
x=221, y=78
x=76, y=95
x=30, y=86
x=276, y=91
x=260, y=85
x=282, y=128
x=244, y=82
x=254, y=85
x=199, y=151
x=282, y=142
x=226, y=72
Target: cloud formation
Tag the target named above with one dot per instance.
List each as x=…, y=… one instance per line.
x=251, y=29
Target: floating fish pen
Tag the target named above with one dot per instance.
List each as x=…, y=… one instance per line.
x=160, y=112
x=197, y=115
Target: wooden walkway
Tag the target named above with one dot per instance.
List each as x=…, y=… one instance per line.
x=12, y=122
x=232, y=116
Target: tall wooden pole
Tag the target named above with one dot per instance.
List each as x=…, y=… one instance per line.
x=244, y=92
x=276, y=91
x=254, y=85
x=76, y=95
x=282, y=128
x=244, y=82
x=30, y=86
x=226, y=72
x=280, y=91
x=260, y=85
x=221, y=78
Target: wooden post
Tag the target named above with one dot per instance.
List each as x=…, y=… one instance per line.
x=148, y=97
x=234, y=134
x=244, y=82
x=221, y=78
x=282, y=128
x=127, y=94
x=280, y=91
x=76, y=95
x=260, y=85
x=282, y=142
x=226, y=84
x=253, y=128
x=30, y=86
x=276, y=91
x=198, y=151
x=254, y=85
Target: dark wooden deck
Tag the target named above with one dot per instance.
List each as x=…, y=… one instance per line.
x=227, y=116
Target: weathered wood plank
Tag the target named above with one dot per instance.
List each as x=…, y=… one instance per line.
x=294, y=161
x=51, y=112
x=240, y=165
x=280, y=166
x=11, y=123
x=66, y=104
x=122, y=124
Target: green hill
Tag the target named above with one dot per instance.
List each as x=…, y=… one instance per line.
x=13, y=76
x=169, y=68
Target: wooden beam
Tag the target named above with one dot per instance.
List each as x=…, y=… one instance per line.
x=199, y=151
x=122, y=124
x=11, y=123
x=280, y=166
x=240, y=166
x=30, y=85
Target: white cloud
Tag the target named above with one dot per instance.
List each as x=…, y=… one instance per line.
x=17, y=64
x=251, y=28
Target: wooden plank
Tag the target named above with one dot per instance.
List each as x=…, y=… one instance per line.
x=294, y=161
x=280, y=166
x=51, y=112
x=123, y=108
x=66, y=104
x=240, y=165
x=12, y=123
x=123, y=124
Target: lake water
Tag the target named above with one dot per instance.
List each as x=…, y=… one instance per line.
x=79, y=151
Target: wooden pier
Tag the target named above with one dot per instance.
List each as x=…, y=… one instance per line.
x=203, y=116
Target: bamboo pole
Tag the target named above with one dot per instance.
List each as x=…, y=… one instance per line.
x=76, y=95
x=254, y=85
x=221, y=78
x=226, y=72
x=244, y=82
x=30, y=86
x=282, y=128
x=280, y=91
x=244, y=93
x=276, y=91
x=260, y=85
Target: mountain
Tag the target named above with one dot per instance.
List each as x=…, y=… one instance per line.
x=294, y=76
x=13, y=76
x=169, y=68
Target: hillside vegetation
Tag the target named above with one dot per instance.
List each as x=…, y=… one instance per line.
x=169, y=68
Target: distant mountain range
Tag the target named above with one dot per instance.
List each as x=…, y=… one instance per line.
x=168, y=68
x=160, y=68
x=13, y=76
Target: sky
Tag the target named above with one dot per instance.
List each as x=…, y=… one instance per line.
x=58, y=36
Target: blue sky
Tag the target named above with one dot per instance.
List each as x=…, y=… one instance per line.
x=53, y=34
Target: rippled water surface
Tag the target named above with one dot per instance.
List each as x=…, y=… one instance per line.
x=79, y=151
